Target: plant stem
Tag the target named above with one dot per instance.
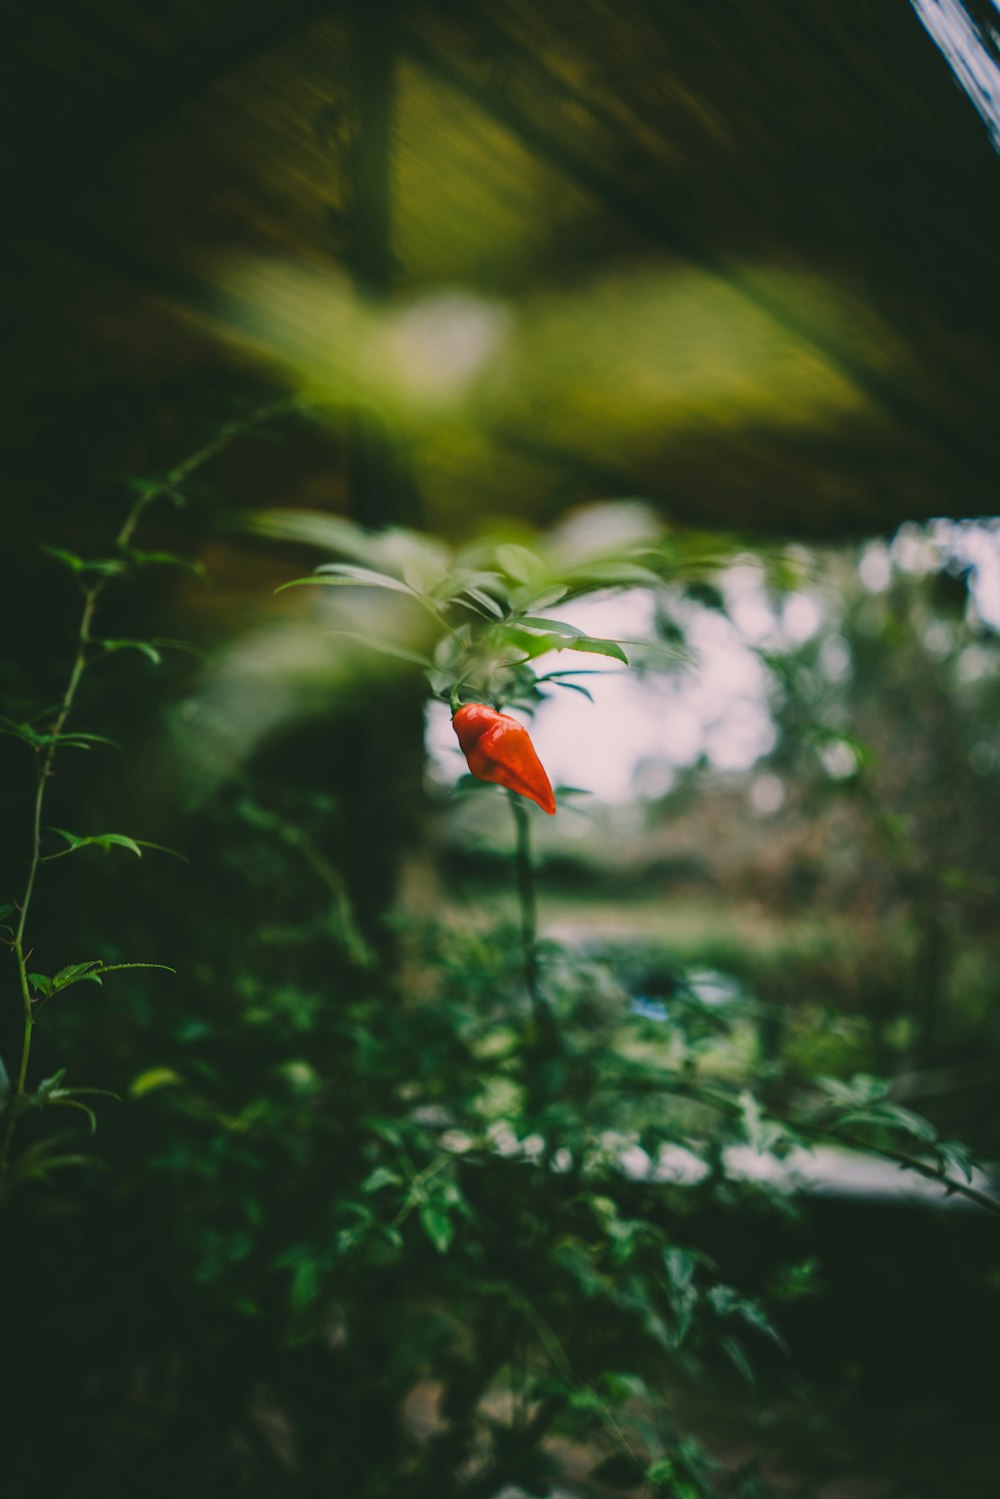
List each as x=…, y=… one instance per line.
x=524, y=879
x=91, y=594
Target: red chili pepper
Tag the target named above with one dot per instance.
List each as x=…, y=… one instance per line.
x=498, y=749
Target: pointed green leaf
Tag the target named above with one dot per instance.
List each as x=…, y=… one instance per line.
x=75, y=973
x=120, y=967
x=349, y=572
x=438, y=1227
x=520, y=564
x=597, y=647
x=379, y=1178
x=144, y=646
x=48, y=1085
x=387, y=648
x=165, y=559
x=575, y=687
x=734, y=1350
x=151, y=1080
x=554, y=626
x=484, y=601
x=105, y=841
x=74, y=1103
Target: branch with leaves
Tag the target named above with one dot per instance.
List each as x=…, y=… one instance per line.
x=47, y=736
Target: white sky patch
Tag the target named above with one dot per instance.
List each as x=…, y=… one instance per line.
x=716, y=707
x=875, y=567
x=643, y=728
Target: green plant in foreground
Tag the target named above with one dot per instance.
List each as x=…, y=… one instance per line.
x=47, y=734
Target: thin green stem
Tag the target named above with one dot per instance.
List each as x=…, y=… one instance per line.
x=91, y=594
x=524, y=880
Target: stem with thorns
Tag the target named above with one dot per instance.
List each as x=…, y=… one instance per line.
x=91, y=594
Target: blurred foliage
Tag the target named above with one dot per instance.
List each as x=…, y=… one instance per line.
x=363, y=1221
x=332, y=1194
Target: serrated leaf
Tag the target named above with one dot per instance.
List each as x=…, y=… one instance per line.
x=105, y=841
x=75, y=973
x=41, y=983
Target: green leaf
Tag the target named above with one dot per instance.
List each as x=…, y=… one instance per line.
x=954, y=1157
x=438, y=1227
x=575, y=687
x=165, y=559
x=74, y=740
x=76, y=973
x=554, y=626
x=520, y=564
x=105, y=841
x=533, y=598
x=78, y=740
x=379, y=1178
x=40, y=982
x=104, y=566
x=120, y=967
x=387, y=648
x=144, y=646
x=151, y=1080
x=5, y=911
x=484, y=600
x=74, y=1103
x=529, y=643
x=349, y=573
x=597, y=647
x=48, y=1085
x=37, y=1163
x=734, y=1350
